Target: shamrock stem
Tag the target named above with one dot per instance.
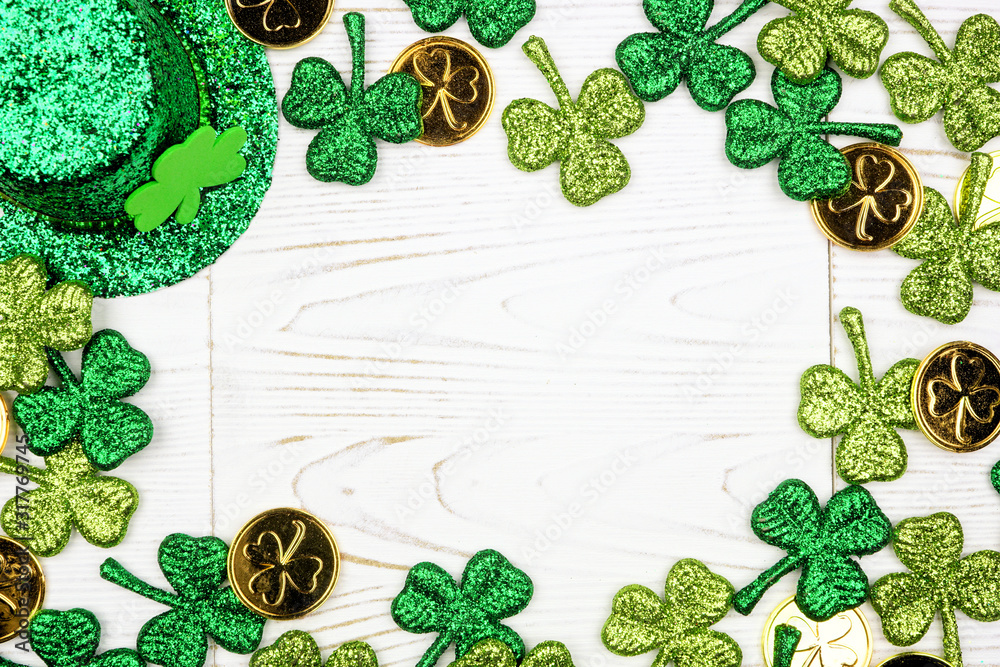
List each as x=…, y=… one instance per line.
x=854, y=325
x=62, y=368
x=745, y=600
x=880, y=132
x=539, y=54
x=113, y=571
x=908, y=10
x=952, y=646
x=786, y=640
x=742, y=13
x=433, y=653
x=354, y=22
x=9, y=466
x=974, y=189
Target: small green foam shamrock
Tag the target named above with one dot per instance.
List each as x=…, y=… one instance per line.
x=577, y=134
x=349, y=120
x=196, y=568
x=204, y=160
x=494, y=653
x=491, y=590
x=956, y=82
x=956, y=253
x=678, y=625
x=492, y=22
x=296, y=648
x=685, y=49
x=821, y=541
x=33, y=319
x=786, y=641
x=810, y=167
x=90, y=408
x=939, y=581
x=799, y=45
x=70, y=494
x=71, y=638
x=866, y=414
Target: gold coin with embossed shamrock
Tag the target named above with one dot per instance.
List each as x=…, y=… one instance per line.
x=22, y=587
x=842, y=641
x=280, y=24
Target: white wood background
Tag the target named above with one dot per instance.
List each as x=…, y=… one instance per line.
x=388, y=357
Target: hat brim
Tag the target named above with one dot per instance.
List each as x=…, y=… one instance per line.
x=122, y=261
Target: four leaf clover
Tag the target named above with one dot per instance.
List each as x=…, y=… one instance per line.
x=494, y=653
x=492, y=22
x=33, y=319
x=491, y=590
x=678, y=625
x=296, y=648
x=71, y=638
x=656, y=63
x=590, y=166
x=821, y=541
x=940, y=580
x=866, y=415
x=196, y=568
x=349, y=120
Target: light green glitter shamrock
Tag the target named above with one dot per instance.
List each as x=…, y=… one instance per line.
x=296, y=648
x=576, y=135
x=866, y=415
x=492, y=22
x=678, y=625
x=940, y=580
x=494, y=653
x=71, y=638
x=33, y=319
x=956, y=252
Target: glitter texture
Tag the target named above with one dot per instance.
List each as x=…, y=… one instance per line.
x=956, y=253
x=576, y=134
x=957, y=82
x=786, y=640
x=810, y=168
x=90, y=408
x=940, y=580
x=71, y=638
x=995, y=476
x=491, y=590
x=494, y=653
x=492, y=22
x=821, y=541
x=866, y=415
x=349, y=120
x=678, y=625
x=33, y=319
x=799, y=45
x=196, y=568
x=70, y=494
x=234, y=88
x=684, y=49
x=296, y=648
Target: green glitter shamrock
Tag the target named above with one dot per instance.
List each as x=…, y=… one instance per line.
x=492, y=22
x=90, y=408
x=32, y=319
x=678, y=625
x=656, y=63
x=296, y=648
x=821, y=541
x=71, y=638
x=350, y=119
x=196, y=568
x=70, y=494
x=940, y=580
x=492, y=589
x=866, y=415
x=810, y=167
x=590, y=166
x=956, y=252
x=957, y=81
x=786, y=642
x=494, y=653
x=800, y=45
x=204, y=160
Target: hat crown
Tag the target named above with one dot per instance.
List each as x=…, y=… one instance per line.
x=100, y=89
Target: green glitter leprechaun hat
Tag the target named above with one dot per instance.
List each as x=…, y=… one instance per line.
x=100, y=91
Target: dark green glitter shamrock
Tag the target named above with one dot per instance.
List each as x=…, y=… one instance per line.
x=494, y=653
x=786, y=641
x=90, y=408
x=590, y=166
x=492, y=22
x=70, y=494
x=821, y=541
x=196, y=568
x=956, y=252
x=349, y=120
x=492, y=589
x=866, y=415
x=957, y=81
x=296, y=648
x=940, y=580
x=678, y=625
x=71, y=638
x=655, y=63
x=810, y=168
x=800, y=45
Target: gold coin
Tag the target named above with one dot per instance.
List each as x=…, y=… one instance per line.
x=843, y=641
x=914, y=660
x=955, y=394
x=280, y=24
x=22, y=588
x=884, y=201
x=989, y=211
x=283, y=563
x=4, y=423
x=458, y=88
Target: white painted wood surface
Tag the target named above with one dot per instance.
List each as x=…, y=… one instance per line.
x=393, y=359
